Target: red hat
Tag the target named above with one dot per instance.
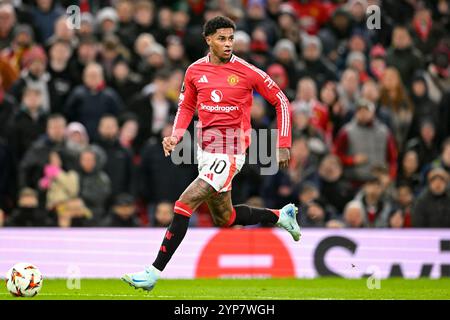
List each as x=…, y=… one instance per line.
x=377, y=51
x=33, y=54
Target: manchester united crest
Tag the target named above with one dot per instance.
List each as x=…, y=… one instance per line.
x=233, y=80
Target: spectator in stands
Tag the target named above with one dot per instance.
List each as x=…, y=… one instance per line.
x=155, y=60
x=22, y=41
x=74, y=213
x=111, y=52
x=377, y=63
x=142, y=45
x=125, y=81
x=354, y=215
x=95, y=185
x=426, y=33
x=376, y=208
x=256, y=17
x=303, y=125
x=314, y=65
x=444, y=159
x=34, y=160
x=29, y=122
x=155, y=187
x=285, y=54
x=58, y=67
x=371, y=91
x=28, y=213
x=334, y=189
x=306, y=99
x=118, y=159
x=86, y=52
x=176, y=53
x=241, y=46
x=8, y=106
x=123, y=213
x=107, y=21
x=152, y=108
x=284, y=185
x=59, y=184
x=403, y=56
x=7, y=176
x=144, y=17
x=8, y=18
x=77, y=139
x=313, y=208
x=336, y=32
x=364, y=143
x=444, y=123
x=401, y=215
x=348, y=89
x=45, y=14
x=431, y=209
x=330, y=99
x=163, y=214
x=409, y=171
x=129, y=127
x=34, y=74
x=87, y=26
x=396, y=102
x=90, y=101
x=280, y=76
x=424, y=107
x=63, y=32
x=425, y=143
x=126, y=28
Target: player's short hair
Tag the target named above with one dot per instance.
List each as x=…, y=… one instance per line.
x=219, y=22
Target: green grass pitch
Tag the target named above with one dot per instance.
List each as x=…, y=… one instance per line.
x=244, y=289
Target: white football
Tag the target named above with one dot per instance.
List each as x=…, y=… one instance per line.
x=24, y=280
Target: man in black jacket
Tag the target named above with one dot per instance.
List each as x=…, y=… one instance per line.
x=432, y=209
x=123, y=213
x=118, y=164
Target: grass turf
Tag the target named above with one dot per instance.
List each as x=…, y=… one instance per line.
x=244, y=289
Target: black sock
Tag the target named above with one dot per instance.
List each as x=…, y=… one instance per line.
x=172, y=239
x=244, y=215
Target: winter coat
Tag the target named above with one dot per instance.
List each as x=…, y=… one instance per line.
x=118, y=165
x=64, y=186
x=88, y=107
x=431, y=211
x=25, y=130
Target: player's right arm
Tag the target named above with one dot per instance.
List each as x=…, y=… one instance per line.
x=187, y=102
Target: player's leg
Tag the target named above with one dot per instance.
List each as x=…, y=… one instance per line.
x=197, y=192
x=226, y=215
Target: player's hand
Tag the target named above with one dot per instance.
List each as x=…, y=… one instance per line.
x=283, y=157
x=361, y=158
x=169, y=143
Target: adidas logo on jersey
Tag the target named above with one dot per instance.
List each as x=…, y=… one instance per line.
x=203, y=79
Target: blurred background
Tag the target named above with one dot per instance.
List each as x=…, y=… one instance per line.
x=82, y=111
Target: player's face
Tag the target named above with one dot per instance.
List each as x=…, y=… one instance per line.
x=221, y=43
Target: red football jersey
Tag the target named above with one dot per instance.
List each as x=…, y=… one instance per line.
x=223, y=96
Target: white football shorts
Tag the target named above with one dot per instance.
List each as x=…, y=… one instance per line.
x=219, y=169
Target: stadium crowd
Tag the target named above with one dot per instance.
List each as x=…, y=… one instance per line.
x=83, y=110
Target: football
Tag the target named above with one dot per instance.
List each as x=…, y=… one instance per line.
x=24, y=280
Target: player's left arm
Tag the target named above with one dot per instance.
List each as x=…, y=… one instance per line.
x=275, y=96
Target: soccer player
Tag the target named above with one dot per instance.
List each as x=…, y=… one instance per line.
x=220, y=87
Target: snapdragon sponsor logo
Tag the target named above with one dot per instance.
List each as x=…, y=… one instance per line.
x=262, y=151
x=218, y=108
